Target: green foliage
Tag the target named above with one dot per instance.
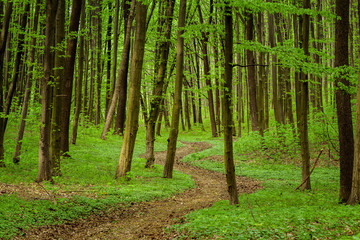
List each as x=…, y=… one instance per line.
x=277, y=211
x=88, y=176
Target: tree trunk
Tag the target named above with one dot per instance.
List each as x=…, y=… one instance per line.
x=304, y=104
x=187, y=110
x=251, y=73
x=98, y=64
x=57, y=87
x=226, y=109
x=3, y=39
x=354, y=197
x=343, y=104
x=69, y=74
x=108, y=62
x=127, y=149
x=123, y=77
x=262, y=75
x=122, y=74
x=171, y=149
x=204, y=41
x=78, y=92
x=158, y=89
x=45, y=165
x=28, y=85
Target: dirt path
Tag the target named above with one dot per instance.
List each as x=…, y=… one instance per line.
x=148, y=220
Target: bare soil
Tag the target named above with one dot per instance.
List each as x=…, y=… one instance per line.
x=149, y=220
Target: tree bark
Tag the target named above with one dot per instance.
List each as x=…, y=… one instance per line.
x=127, y=149
x=354, y=197
x=226, y=109
x=171, y=149
x=28, y=85
x=204, y=41
x=343, y=104
x=123, y=78
x=251, y=73
x=98, y=63
x=69, y=74
x=57, y=89
x=122, y=74
x=304, y=104
x=158, y=89
x=45, y=164
x=3, y=39
x=80, y=77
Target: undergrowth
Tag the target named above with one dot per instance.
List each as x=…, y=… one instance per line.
x=89, y=173
x=277, y=211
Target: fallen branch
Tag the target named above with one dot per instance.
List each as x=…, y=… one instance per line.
x=317, y=159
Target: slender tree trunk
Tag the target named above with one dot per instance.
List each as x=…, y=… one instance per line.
x=17, y=64
x=171, y=149
x=57, y=89
x=122, y=74
x=123, y=78
x=187, y=110
x=134, y=92
x=262, y=75
x=98, y=64
x=343, y=104
x=204, y=41
x=45, y=164
x=251, y=73
x=157, y=94
x=78, y=92
x=304, y=104
x=108, y=62
x=354, y=197
x=3, y=39
x=69, y=74
x=28, y=85
x=226, y=109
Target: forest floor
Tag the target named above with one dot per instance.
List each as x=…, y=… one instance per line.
x=149, y=220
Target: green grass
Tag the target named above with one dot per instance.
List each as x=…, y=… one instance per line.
x=90, y=169
x=279, y=211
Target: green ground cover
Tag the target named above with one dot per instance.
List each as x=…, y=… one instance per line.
x=277, y=211
x=90, y=169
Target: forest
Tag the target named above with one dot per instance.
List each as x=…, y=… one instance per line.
x=188, y=119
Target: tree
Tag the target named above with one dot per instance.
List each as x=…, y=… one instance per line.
x=131, y=128
x=121, y=81
x=354, y=197
x=69, y=73
x=79, y=83
x=171, y=149
x=28, y=85
x=343, y=104
x=251, y=72
x=204, y=42
x=227, y=107
x=45, y=164
x=159, y=84
x=303, y=107
x=3, y=38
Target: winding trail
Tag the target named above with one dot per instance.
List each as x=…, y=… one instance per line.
x=148, y=220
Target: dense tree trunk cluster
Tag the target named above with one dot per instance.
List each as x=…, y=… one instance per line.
x=238, y=68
